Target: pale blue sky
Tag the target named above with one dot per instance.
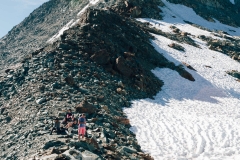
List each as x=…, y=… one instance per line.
x=12, y=12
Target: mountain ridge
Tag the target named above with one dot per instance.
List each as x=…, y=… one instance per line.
x=99, y=65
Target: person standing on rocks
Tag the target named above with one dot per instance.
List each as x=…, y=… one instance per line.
x=81, y=126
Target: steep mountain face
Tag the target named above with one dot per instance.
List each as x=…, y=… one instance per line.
x=46, y=21
x=221, y=10
x=96, y=66
x=91, y=70
x=35, y=30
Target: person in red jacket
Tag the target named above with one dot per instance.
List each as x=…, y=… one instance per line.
x=81, y=126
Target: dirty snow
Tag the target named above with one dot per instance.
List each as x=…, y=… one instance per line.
x=190, y=120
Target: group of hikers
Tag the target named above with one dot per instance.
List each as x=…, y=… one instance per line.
x=69, y=122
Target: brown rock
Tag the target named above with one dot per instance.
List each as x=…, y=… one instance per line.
x=207, y=66
x=85, y=107
x=119, y=90
x=176, y=46
x=186, y=75
x=235, y=57
x=188, y=66
x=184, y=34
x=92, y=141
x=135, y=12
x=101, y=57
x=123, y=67
x=145, y=156
x=109, y=147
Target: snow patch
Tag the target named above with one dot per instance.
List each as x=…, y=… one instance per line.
x=176, y=14
x=190, y=120
x=66, y=27
x=232, y=1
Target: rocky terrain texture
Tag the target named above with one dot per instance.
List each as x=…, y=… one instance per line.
x=35, y=30
x=90, y=70
x=229, y=46
x=46, y=21
x=96, y=67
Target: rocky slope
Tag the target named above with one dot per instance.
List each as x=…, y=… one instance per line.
x=47, y=20
x=97, y=67
x=91, y=70
x=34, y=31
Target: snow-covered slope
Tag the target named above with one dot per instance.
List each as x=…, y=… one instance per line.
x=190, y=120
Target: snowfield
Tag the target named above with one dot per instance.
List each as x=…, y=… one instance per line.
x=188, y=120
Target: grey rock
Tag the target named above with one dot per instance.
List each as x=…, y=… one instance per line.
x=127, y=149
x=72, y=154
x=87, y=155
x=41, y=100
x=49, y=157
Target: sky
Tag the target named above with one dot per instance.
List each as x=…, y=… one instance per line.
x=12, y=12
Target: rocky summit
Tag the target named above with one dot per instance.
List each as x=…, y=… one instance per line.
x=98, y=65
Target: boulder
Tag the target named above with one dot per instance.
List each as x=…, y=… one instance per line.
x=185, y=74
x=41, y=100
x=49, y=157
x=188, y=66
x=72, y=154
x=87, y=155
x=235, y=57
x=184, y=33
x=85, y=107
x=127, y=149
x=176, y=46
x=123, y=67
x=92, y=144
x=52, y=143
x=101, y=57
x=135, y=12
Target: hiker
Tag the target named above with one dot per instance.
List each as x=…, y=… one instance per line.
x=71, y=123
x=69, y=127
x=56, y=126
x=69, y=116
x=81, y=126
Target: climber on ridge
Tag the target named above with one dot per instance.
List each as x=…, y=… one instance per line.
x=81, y=126
x=68, y=118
